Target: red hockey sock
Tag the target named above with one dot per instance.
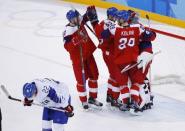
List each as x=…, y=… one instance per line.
x=109, y=88
x=82, y=93
x=93, y=88
x=134, y=91
x=115, y=92
x=125, y=94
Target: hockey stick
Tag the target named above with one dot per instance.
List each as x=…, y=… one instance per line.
x=81, y=56
x=90, y=29
x=129, y=67
x=150, y=69
x=148, y=18
x=19, y=100
x=134, y=65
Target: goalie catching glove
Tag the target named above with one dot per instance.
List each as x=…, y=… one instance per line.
x=143, y=59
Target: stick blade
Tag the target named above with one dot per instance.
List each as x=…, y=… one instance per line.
x=5, y=91
x=147, y=17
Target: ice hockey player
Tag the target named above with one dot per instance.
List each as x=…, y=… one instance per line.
x=50, y=93
x=77, y=41
x=145, y=45
x=107, y=48
x=126, y=53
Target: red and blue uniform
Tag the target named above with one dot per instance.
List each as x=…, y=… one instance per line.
x=75, y=37
x=107, y=46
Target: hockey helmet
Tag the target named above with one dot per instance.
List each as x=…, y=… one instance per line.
x=111, y=11
x=122, y=14
x=72, y=14
x=134, y=16
x=29, y=89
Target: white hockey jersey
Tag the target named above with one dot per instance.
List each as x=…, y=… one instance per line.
x=51, y=93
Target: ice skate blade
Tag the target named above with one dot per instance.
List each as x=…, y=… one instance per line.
x=94, y=107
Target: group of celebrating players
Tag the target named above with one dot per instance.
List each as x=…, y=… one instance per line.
x=126, y=49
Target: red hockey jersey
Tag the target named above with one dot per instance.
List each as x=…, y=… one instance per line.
x=108, y=43
x=88, y=46
x=126, y=45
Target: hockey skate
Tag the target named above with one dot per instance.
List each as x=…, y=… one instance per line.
x=151, y=100
x=116, y=103
x=124, y=107
x=95, y=102
x=148, y=105
x=85, y=105
x=134, y=109
x=109, y=98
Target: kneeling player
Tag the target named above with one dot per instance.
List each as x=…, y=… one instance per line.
x=50, y=93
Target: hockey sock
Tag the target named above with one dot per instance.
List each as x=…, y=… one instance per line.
x=93, y=88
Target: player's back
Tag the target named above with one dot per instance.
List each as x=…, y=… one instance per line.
x=47, y=86
x=126, y=44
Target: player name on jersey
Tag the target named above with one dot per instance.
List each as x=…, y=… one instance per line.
x=127, y=33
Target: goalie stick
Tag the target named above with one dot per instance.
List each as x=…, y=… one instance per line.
x=150, y=69
x=148, y=18
x=134, y=65
x=19, y=100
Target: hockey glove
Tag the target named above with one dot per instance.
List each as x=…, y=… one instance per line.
x=91, y=14
x=148, y=35
x=27, y=102
x=69, y=111
x=143, y=59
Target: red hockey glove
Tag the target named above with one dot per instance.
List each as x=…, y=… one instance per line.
x=69, y=111
x=27, y=102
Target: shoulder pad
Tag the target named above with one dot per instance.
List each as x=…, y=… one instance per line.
x=69, y=30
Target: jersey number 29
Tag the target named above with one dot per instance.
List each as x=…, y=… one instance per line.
x=126, y=41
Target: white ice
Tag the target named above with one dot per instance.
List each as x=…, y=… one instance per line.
x=31, y=47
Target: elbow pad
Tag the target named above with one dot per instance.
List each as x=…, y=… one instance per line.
x=67, y=39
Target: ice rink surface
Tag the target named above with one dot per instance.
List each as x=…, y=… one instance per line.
x=31, y=46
